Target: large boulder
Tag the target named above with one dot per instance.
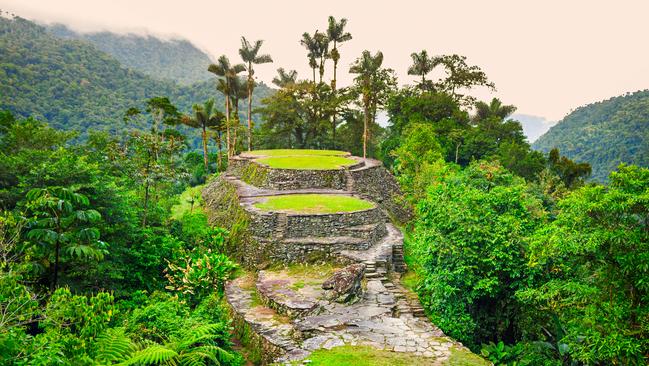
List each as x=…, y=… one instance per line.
x=344, y=285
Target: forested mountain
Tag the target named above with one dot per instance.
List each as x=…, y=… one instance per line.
x=604, y=134
x=174, y=59
x=74, y=86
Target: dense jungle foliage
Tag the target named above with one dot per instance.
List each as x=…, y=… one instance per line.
x=107, y=256
x=604, y=134
x=75, y=86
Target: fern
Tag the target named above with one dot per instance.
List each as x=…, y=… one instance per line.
x=113, y=346
x=154, y=354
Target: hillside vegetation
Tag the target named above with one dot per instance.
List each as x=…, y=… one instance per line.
x=176, y=59
x=74, y=86
x=604, y=134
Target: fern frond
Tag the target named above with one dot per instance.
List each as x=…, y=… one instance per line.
x=153, y=355
x=113, y=345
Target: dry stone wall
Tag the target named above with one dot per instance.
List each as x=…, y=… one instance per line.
x=285, y=179
x=374, y=182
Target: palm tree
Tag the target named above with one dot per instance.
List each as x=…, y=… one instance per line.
x=336, y=33
x=224, y=69
x=205, y=116
x=318, y=51
x=366, y=67
x=493, y=109
x=311, y=46
x=322, y=46
x=249, y=55
x=217, y=130
x=422, y=65
x=284, y=78
x=238, y=91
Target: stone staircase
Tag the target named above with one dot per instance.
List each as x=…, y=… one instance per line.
x=349, y=181
x=398, y=264
x=280, y=229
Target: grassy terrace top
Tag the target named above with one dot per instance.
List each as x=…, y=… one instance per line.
x=314, y=162
x=301, y=159
x=314, y=203
x=295, y=152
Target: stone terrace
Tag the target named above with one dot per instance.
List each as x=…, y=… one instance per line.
x=282, y=309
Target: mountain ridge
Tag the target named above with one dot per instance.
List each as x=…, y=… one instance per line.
x=604, y=133
x=174, y=59
x=73, y=85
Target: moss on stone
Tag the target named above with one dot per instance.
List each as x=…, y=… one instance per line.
x=254, y=174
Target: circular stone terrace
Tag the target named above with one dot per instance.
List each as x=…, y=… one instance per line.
x=309, y=213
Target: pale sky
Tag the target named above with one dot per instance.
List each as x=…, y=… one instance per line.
x=546, y=57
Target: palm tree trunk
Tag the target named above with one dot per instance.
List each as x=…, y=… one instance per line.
x=250, y=114
x=235, y=128
x=314, y=76
x=333, y=86
x=227, y=123
x=365, y=123
x=219, y=159
x=205, y=149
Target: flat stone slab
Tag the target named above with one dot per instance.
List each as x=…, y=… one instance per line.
x=278, y=295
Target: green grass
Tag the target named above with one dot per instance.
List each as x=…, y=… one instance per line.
x=315, y=162
x=410, y=280
x=369, y=356
x=185, y=202
x=294, y=152
x=364, y=356
x=461, y=357
x=314, y=203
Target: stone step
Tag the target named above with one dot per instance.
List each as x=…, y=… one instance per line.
x=371, y=275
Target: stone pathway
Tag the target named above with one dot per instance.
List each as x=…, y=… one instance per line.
x=285, y=311
x=313, y=323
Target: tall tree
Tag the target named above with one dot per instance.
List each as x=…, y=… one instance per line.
x=285, y=78
x=322, y=42
x=205, y=116
x=317, y=46
x=250, y=56
x=373, y=83
x=58, y=220
x=227, y=72
x=337, y=35
x=238, y=92
x=422, y=65
x=311, y=46
x=460, y=75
